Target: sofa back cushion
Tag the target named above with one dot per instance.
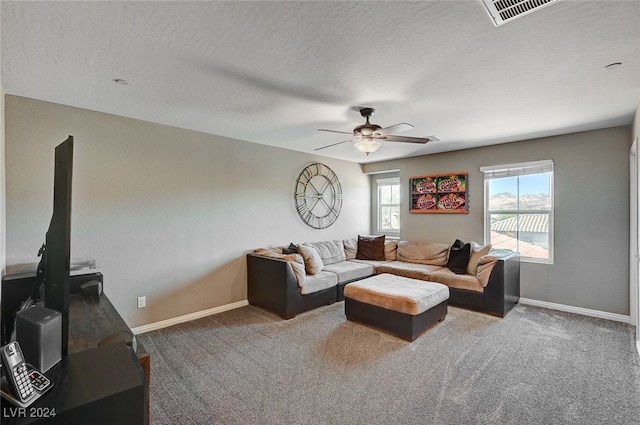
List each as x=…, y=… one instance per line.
x=330, y=251
x=350, y=248
x=390, y=250
x=431, y=253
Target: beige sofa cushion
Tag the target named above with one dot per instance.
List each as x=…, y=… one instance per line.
x=410, y=270
x=330, y=251
x=318, y=282
x=458, y=281
x=299, y=272
x=350, y=270
x=277, y=253
x=312, y=261
x=390, y=250
x=431, y=253
x=477, y=251
x=486, y=263
x=408, y=296
x=350, y=248
x=372, y=263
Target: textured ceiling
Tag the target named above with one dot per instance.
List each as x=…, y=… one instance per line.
x=274, y=72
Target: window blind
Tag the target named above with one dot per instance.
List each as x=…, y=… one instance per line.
x=517, y=169
x=388, y=181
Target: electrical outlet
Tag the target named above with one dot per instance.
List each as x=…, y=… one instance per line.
x=142, y=302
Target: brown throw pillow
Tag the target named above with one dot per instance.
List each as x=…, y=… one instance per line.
x=370, y=248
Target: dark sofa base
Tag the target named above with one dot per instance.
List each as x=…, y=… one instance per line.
x=341, y=288
x=406, y=326
x=273, y=286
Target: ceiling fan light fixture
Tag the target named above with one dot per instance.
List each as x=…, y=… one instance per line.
x=367, y=145
x=366, y=136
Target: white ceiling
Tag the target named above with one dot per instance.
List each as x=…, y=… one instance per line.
x=273, y=72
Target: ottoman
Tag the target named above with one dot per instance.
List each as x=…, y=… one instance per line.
x=400, y=305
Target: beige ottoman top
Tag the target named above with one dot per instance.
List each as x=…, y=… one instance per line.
x=402, y=294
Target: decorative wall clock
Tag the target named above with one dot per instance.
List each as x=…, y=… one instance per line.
x=318, y=196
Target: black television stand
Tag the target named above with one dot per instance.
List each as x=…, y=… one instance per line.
x=91, y=382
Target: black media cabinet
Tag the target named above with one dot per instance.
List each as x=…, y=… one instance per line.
x=91, y=384
x=100, y=386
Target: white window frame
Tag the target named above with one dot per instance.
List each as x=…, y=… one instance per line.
x=514, y=170
x=389, y=181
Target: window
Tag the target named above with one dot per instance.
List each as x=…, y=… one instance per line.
x=388, y=206
x=519, y=209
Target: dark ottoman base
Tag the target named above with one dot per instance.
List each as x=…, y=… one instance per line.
x=406, y=326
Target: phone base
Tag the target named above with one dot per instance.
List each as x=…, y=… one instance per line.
x=7, y=394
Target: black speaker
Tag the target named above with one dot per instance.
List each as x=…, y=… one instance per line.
x=39, y=333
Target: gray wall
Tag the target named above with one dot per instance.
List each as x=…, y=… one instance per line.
x=167, y=213
x=591, y=267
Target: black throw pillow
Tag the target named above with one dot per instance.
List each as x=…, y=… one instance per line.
x=459, y=257
x=291, y=249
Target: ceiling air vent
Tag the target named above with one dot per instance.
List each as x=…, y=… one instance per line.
x=503, y=11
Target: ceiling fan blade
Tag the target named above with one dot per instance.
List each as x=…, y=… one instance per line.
x=403, y=126
x=328, y=146
x=405, y=139
x=335, y=131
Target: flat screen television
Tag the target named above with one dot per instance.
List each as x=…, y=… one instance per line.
x=53, y=273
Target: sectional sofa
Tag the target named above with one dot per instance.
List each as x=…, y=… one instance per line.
x=297, y=278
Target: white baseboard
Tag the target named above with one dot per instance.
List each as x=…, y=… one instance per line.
x=638, y=347
x=526, y=301
x=578, y=310
x=187, y=317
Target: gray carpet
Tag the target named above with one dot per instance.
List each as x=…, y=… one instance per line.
x=536, y=366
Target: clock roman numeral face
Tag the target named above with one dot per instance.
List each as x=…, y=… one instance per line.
x=318, y=196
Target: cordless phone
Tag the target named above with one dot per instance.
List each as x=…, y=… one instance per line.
x=15, y=370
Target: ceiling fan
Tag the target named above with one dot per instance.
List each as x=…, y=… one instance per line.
x=367, y=136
